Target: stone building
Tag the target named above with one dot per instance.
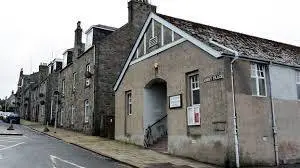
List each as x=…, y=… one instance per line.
x=27, y=104
x=210, y=94
x=50, y=98
x=11, y=102
x=90, y=71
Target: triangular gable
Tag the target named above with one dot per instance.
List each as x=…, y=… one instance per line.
x=178, y=36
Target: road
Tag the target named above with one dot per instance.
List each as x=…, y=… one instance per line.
x=36, y=150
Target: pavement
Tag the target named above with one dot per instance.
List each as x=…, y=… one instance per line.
x=36, y=150
x=125, y=153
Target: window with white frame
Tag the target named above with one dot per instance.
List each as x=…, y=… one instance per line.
x=61, y=117
x=51, y=110
x=86, y=111
x=72, y=114
x=63, y=87
x=258, y=79
x=89, y=39
x=74, y=81
x=128, y=102
x=194, y=89
x=193, y=111
x=65, y=59
x=88, y=70
x=298, y=84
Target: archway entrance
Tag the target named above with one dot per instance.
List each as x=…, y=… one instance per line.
x=155, y=115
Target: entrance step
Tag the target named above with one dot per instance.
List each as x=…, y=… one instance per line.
x=161, y=145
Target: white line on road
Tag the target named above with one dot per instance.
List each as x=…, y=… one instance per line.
x=54, y=162
x=12, y=146
x=10, y=138
x=7, y=141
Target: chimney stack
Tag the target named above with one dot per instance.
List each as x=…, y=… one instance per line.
x=78, y=40
x=138, y=11
x=78, y=35
x=21, y=72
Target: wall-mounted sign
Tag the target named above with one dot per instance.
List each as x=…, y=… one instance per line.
x=213, y=78
x=175, y=101
x=193, y=115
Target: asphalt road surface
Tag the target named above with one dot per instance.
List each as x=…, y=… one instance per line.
x=36, y=150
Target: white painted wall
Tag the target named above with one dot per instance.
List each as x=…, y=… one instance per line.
x=283, y=80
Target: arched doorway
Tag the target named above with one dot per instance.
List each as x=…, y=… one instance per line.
x=155, y=114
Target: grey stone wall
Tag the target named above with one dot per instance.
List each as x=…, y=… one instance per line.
x=111, y=54
x=77, y=98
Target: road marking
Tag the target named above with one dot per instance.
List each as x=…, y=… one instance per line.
x=7, y=141
x=9, y=138
x=54, y=162
x=11, y=146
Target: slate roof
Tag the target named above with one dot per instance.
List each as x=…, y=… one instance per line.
x=246, y=45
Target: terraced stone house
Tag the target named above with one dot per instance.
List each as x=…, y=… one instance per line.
x=91, y=69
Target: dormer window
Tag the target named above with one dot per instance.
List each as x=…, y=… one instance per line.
x=89, y=39
x=65, y=59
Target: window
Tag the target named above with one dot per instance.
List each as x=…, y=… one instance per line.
x=61, y=117
x=298, y=84
x=86, y=111
x=63, y=87
x=88, y=70
x=89, y=39
x=194, y=89
x=51, y=109
x=128, y=103
x=258, y=79
x=65, y=59
x=72, y=114
x=74, y=81
x=193, y=111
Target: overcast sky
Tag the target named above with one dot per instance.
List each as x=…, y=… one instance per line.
x=35, y=31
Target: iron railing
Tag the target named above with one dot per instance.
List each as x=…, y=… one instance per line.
x=148, y=138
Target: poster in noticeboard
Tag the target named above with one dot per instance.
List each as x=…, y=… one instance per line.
x=193, y=115
x=175, y=101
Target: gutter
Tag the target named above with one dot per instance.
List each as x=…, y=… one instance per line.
x=234, y=115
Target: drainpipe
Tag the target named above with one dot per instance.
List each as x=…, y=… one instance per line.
x=234, y=116
x=274, y=126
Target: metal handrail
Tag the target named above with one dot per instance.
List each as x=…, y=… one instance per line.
x=158, y=121
x=148, y=133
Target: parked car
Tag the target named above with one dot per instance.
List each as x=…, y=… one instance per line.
x=1, y=115
x=15, y=118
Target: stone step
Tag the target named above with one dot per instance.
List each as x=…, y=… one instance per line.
x=161, y=145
